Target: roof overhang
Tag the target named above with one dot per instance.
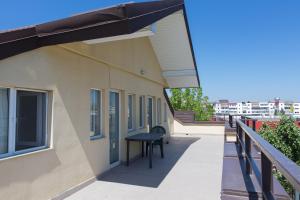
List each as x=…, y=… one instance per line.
x=170, y=39
x=174, y=51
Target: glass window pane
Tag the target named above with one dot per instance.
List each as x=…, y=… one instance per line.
x=142, y=111
x=95, y=113
x=4, y=109
x=130, y=112
x=150, y=113
x=159, y=111
x=31, y=120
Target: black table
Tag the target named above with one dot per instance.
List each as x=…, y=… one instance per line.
x=145, y=137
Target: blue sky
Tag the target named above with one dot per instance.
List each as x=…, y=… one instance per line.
x=245, y=50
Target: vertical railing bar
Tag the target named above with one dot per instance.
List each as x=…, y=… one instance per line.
x=241, y=136
x=243, y=119
x=266, y=174
x=248, y=154
x=254, y=125
x=237, y=132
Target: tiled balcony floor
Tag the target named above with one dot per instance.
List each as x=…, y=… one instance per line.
x=191, y=169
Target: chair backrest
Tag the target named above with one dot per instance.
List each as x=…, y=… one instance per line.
x=158, y=129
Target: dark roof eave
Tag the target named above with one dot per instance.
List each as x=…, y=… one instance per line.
x=118, y=20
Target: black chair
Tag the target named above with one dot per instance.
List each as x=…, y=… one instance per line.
x=157, y=130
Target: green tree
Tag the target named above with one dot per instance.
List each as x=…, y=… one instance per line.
x=176, y=99
x=289, y=138
x=187, y=99
x=192, y=99
x=286, y=138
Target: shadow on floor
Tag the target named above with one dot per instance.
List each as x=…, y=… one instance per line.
x=138, y=173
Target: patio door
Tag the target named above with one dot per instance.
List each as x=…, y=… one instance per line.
x=114, y=127
x=150, y=112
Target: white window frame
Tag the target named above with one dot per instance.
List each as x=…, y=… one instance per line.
x=101, y=135
x=132, y=111
x=142, y=112
x=12, y=123
x=158, y=111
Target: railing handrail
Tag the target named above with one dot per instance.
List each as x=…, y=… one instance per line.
x=289, y=169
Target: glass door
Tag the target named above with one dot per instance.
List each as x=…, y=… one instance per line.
x=114, y=127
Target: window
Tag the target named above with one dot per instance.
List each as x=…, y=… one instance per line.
x=28, y=113
x=130, y=112
x=150, y=113
x=142, y=112
x=158, y=111
x=31, y=119
x=4, y=105
x=165, y=112
x=95, y=113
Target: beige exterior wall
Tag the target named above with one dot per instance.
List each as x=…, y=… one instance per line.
x=68, y=72
x=193, y=129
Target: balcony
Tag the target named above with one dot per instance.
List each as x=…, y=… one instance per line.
x=191, y=169
x=201, y=164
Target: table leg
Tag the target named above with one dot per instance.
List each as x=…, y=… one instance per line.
x=142, y=148
x=128, y=148
x=150, y=154
x=162, y=148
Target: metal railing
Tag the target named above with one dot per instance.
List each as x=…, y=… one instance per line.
x=232, y=119
x=270, y=158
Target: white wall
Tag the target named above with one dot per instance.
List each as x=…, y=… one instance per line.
x=193, y=129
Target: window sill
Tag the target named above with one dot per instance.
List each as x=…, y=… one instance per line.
x=97, y=137
x=25, y=153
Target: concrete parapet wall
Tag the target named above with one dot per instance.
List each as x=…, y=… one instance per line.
x=199, y=128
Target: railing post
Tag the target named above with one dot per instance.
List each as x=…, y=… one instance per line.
x=237, y=131
x=237, y=126
x=248, y=153
x=243, y=119
x=230, y=121
x=254, y=125
x=266, y=174
x=240, y=140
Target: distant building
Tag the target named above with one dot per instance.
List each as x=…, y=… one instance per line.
x=264, y=109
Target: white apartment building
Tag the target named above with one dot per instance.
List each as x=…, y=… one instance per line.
x=296, y=108
x=267, y=109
